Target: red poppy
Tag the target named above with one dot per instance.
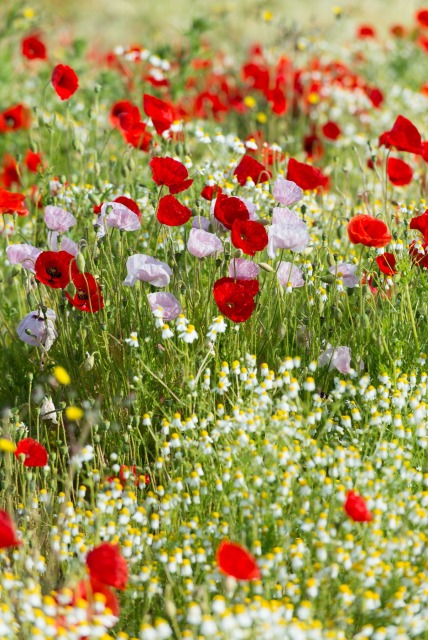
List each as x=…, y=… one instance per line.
x=131, y=472
x=422, y=17
x=251, y=168
x=55, y=268
x=86, y=590
x=375, y=96
x=88, y=296
x=8, y=536
x=386, y=263
x=250, y=236
x=234, y=560
x=107, y=565
x=171, y=173
x=10, y=173
x=331, y=130
x=209, y=192
x=404, y=136
x=171, y=212
x=161, y=113
x=313, y=147
x=138, y=136
x=235, y=298
x=305, y=176
x=228, y=209
x=420, y=223
x=32, y=160
x=421, y=259
x=399, y=172
x=34, y=452
x=12, y=203
x=366, y=31
x=369, y=231
x=14, y=118
x=33, y=48
x=64, y=81
x=124, y=112
x=356, y=508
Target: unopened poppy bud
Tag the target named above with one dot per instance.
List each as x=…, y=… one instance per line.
x=99, y=183
x=238, y=253
x=94, y=199
x=330, y=260
x=282, y=332
x=131, y=164
x=16, y=269
x=329, y=278
x=80, y=261
x=366, y=321
x=97, y=169
x=71, y=289
x=266, y=267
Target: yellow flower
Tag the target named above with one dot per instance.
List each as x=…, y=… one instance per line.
x=7, y=445
x=267, y=16
x=249, y=102
x=28, y=13
x=262, y=117
x=74, y=413
x=61, y=375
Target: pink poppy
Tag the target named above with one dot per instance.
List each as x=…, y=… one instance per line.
x=337, y=358
x=24, y=254
x=242, y=269
x=202, y=243
x=286, y=192
x=57, y=219
x=169, y=304
x=346, y=272
x=289, y=273
x=287, y=231
x=41, y=328
x=66, y=243
x=117, y=215
x=147, y=269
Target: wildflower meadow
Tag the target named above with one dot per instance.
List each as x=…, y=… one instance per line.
x=213, y=326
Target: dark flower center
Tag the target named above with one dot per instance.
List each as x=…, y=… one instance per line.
x=82, y=295
x=53, y=272
x=10, y=121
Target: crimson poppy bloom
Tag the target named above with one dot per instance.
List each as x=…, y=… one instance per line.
x=386, y=263
x=399, y=172
x=234, y=560
x=209, y=192
x=123, y=112
x=331, y=130
x=356, y=508
x=32, y=161
x=171, y=173
x=55, y=268
x=33, y=48
x=87, y=589
x=14, y=118
x=250, y=236
x=161, y=113
x=138, y=136
x=8, y=535
x=251, y=168
x=88, y=295
x=305, y=176
x=171, y=212
x=228, y=209
x=422, y=17
x=366, y=31
x=420, y=223
x=64, y=81
x=421, y=259
x=235, y=298
x=369, y=231
x=107, y=565
x=375, y=96
x=10, y=173
x=404, y=136
x=12, y=203
x=34, y=452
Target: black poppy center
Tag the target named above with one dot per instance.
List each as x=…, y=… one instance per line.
x=53, y=272
x=82, y=295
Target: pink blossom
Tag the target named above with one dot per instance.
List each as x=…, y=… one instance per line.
x=286, y=192
x=242, y=269
x=171, y=308
x=337, y=358
x=66, y=243
x=287, y=231
x=58, y=219
x=41, y=328
x=288, y=273
x=199, y=222
x=347, y=273
x=24, y=254
x=202, y=243
x=117, y=215
x=147, y=269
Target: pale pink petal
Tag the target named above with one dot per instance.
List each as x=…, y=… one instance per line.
x=288, y=231
x=24, y=254
x=347, y=273
x=171, y=308
x=117, y=215
x=286, y=192
x=148, y=269
x=202, y=243
x=66, y=243
x=242, y=269
x=41, y=327
x=337, y=358
x=289, y=273
x=199, y=222
x=58, y=219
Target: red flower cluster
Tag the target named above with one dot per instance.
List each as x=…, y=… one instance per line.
x=171, y=212
x=170, y=173
x=64, y=81
x=12, y=203
x=399, y=172
x=161, y=113
x=228, y=209
x=420, y=223
x=33, y=48
x=8, y=536
x=15, y=118
x=88, y=296
x=306, y=176
x=356, y=508
x=234, y=560
x=251, y=168
x=126, y=117
x=235, y=298
x=55, y=268
x=404, y=136
x=386, y=263
x=107, y=566
x=249, y=236
x=369, y=231
x=35, y=454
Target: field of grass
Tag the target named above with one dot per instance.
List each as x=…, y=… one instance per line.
x=213, y=321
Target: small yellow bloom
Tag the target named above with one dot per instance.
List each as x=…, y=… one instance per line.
x=267, y=16
x=262, y=117
x=7, y=445
x=249, y=102
x=28, y=13
x=61, y=375
x=313, y=98
x=337, y=11
x=74, y=413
